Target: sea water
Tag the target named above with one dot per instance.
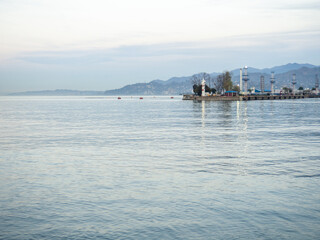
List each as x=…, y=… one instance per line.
x=159, y=168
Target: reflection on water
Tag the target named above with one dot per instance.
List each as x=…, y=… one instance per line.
x=242, y=127
x=203, y=107
x=99, y=168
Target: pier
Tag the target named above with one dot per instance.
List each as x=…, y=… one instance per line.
x=227, y=91
x=245, y=97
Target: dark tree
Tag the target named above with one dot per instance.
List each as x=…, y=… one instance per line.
x=236, y=88
x=227, y=82
x=197, y=78
x=223, y=82
x=287, y=90
x=197, y=89
x=219, y=83
x=196, y=81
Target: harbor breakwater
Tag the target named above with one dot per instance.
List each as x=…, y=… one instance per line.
x=246, y=97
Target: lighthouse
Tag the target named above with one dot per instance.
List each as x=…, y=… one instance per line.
x=203, y=85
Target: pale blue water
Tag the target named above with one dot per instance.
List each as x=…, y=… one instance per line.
x=159, y=168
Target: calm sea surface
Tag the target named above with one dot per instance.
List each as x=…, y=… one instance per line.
x=159, y=168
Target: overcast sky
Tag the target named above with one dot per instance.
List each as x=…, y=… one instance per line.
x=106, y=44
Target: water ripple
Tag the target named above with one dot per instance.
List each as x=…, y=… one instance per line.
x=99, y=168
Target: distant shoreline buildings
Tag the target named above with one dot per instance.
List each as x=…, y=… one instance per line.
x=245, y=94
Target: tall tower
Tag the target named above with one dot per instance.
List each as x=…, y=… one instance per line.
x=272, y=81
x=317, y=84
x=294, y=82
x=245, y=79
x=262, y=84
x=203, y=88
x=240, y=84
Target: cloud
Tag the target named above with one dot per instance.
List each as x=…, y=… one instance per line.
x=302, y=6
x=281, y=42
x=105, y=43
x=65, y=57
x=109, y=68
x=35, y=25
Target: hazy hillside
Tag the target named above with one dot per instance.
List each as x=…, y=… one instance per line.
x=178, y=86
x=305, y=76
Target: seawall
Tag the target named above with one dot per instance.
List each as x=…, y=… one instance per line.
x=247, y=97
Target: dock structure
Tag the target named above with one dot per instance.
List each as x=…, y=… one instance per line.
x=245, y=97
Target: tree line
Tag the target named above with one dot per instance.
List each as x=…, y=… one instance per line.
x=218, y=84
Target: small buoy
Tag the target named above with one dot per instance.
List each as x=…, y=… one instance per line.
x=119, y=97
x=171, y=97
x=141, y=97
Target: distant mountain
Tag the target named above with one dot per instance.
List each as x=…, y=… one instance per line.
x=171, y=80
x=278, y=69
x=59, y=92
x=305, y=76
x=179, y=86
x=286, y=68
